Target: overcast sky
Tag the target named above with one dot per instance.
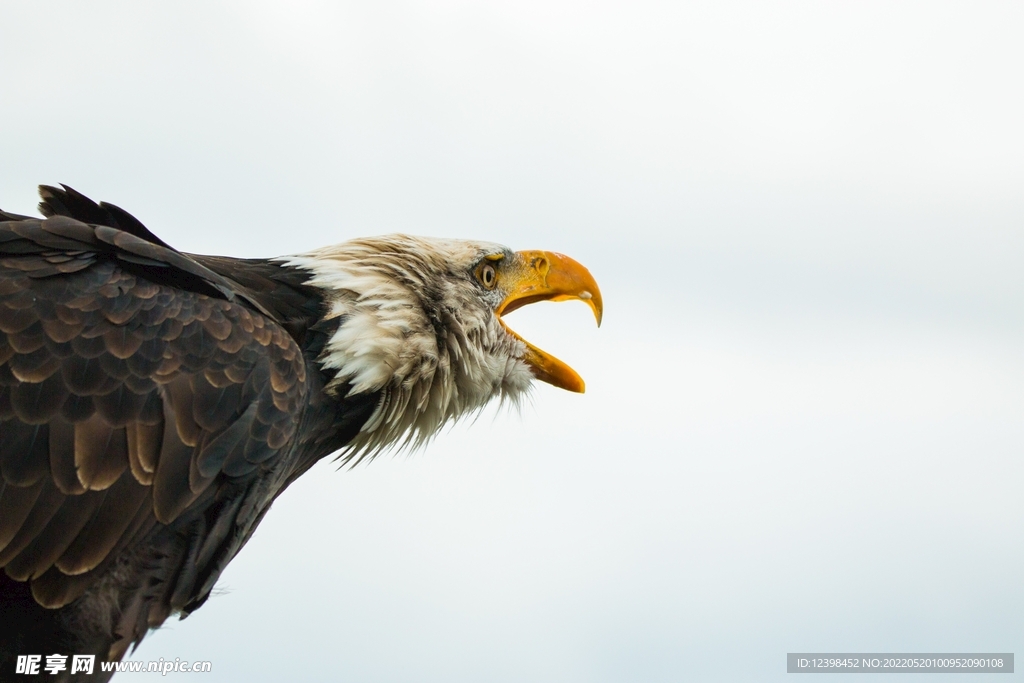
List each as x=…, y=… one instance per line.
x=803, y=423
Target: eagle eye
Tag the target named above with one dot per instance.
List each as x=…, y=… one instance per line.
x=487, y=275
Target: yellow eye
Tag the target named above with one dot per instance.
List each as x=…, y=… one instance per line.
x=487, y=276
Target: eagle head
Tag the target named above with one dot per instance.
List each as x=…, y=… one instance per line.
x=419, y=321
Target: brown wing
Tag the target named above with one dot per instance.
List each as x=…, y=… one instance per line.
x=132, y=410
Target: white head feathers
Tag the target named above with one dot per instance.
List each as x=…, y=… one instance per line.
x=418, y=327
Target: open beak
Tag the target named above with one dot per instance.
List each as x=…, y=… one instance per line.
x=549, y=276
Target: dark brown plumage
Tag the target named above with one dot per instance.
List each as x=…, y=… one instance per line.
x=144, y=403
x=153, y=404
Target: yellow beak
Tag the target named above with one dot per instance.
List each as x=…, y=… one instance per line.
x=549, y=276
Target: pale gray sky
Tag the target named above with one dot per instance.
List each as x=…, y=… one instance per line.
x=802, y=429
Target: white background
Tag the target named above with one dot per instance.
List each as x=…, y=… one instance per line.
x=802, y=429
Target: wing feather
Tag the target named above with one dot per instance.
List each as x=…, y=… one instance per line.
x=24, y=452
x=105, y=528
x=62, y=457
x=172, y=491
x=16, y=503
x=45, y=506
x=55, y=588
x=143, y=449
x=60, y=531
x=101, y=452
x=141, y=396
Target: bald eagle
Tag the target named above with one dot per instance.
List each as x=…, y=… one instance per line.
x=153, y=403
